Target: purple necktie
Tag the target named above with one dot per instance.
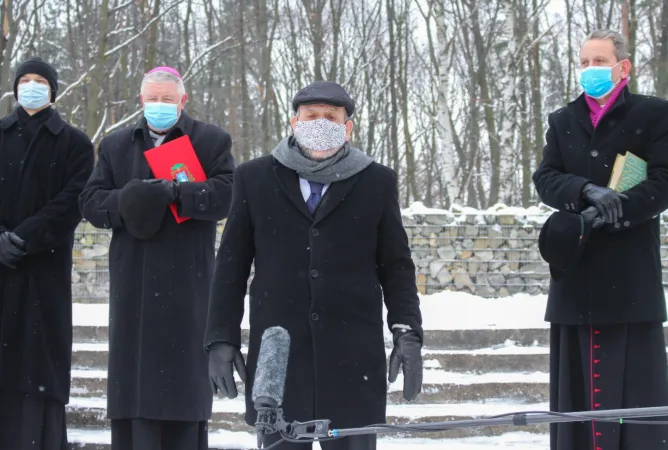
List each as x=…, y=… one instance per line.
x=314, y=198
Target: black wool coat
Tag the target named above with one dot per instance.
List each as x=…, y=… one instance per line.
x=38, y=201
x=159, y=287
x=618, y=279
x=323, y=279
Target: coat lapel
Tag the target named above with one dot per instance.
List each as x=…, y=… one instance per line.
x=334, y=196
x=289, y=183
x=581, y=110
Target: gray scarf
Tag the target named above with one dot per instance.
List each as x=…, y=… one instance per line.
x=344, y=164
x=157, y=138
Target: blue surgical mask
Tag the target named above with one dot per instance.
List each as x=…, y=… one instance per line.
x=597, y=81
x=161, y=116
x=33, y=95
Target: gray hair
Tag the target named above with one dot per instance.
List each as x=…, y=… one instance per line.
x=619, y=41
x=161, y=77
x=346, y=117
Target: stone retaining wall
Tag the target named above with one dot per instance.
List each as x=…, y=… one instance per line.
x=491, y=253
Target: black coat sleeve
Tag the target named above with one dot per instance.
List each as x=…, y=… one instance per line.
x=650, y=197
x=233, y=266
x=210, y=200
x=54, y=222
x=555, y=187
x=396, y=269
x=99, y=201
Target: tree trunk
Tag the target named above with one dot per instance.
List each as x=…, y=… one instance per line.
x=392, y=65
x=152, y=38
x=662, y=63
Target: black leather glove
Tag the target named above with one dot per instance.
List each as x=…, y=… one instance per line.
x=407, y=354
x=11, y=249
x=222, y=356
x=592, y=216
x=607, y=202
x=173, y=188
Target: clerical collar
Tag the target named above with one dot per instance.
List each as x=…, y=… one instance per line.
x=155, y=133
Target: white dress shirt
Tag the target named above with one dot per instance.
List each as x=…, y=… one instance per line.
x=306, y=189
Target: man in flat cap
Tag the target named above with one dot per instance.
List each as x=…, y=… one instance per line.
x=44, y=165
x=321, y=221
x=159, y=396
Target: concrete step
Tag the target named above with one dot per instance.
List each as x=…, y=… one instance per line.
x=509, y=358
x=433, y=339
x=228, y=416
x=439, y=386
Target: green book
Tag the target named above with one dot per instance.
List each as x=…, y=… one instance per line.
x=628, y=171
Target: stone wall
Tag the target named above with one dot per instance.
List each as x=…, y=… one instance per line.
x=492, y=253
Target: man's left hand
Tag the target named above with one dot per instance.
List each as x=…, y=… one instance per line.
x=407, y=354
x=172, y=188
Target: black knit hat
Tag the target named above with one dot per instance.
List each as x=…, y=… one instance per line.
x=326, y=92
x=562, y=240
x=40, y=67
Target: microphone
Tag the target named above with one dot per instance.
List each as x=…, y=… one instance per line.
x=269, y=383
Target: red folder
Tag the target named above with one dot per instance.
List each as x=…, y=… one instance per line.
x=176, y=160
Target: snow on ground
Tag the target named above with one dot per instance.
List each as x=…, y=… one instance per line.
x=443, y=311
x=440, y=376
x=431, y=376
x=507, y=348
x=516, y=441
x=462, y=311
x=241, y=440
x=418, y=208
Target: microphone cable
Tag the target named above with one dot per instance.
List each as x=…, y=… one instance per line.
x=519, y=419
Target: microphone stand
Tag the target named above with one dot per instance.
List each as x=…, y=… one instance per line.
x=270, y=420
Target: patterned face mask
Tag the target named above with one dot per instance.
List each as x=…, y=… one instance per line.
x=320, y=135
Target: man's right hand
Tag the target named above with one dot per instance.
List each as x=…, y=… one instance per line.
x=222, y=357
x=607, y=202
x=10, y=249
x=592, y=217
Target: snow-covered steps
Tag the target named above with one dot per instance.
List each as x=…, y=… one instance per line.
x=228, y=416
x=507, y=357
x=100, y=439
x=439, y=386
x=475, y=352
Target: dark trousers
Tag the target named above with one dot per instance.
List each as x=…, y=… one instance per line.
x=366, y=442
x=595, y=368
x=144, y=434
x=31, y=422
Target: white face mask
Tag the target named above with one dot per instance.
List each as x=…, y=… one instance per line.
x=320, y=135
x=33, y=95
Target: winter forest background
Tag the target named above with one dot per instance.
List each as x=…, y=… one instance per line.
x=453, y=94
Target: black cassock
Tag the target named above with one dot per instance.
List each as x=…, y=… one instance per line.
x=607, y=347
x=607, y=367
x=158, y=385
x=44, y=165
